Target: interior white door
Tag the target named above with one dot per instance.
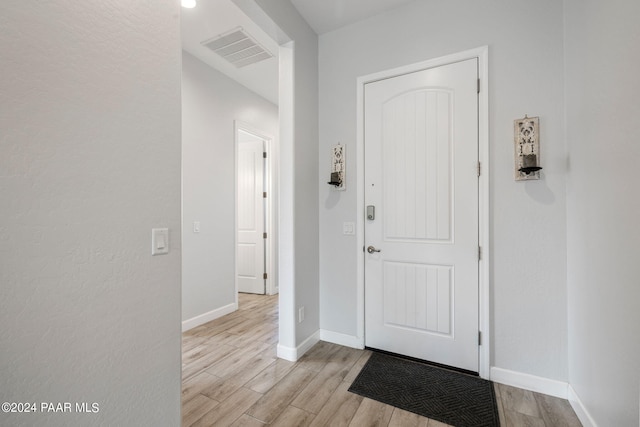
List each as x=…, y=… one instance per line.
x=421, y=157
x=251, y=223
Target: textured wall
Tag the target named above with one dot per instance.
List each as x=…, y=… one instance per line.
x=528, y=289
x=210, y=104
x=603, y=207
x=89, y=163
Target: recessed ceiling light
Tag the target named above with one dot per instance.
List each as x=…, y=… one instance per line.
x=189, y=4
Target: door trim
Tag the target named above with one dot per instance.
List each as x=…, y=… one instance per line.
x=270, y=185
x=482, y=54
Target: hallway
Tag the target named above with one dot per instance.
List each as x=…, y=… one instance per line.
x=231, y=377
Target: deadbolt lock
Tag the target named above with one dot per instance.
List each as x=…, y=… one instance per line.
x=371, y=212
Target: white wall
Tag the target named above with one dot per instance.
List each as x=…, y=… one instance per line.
x=90, y=162
x=211, y=102
x=528, y=227
x=603, y=207
x=299, y=168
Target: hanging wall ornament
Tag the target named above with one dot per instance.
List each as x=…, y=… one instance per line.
x=338, y=167
x=527, y=148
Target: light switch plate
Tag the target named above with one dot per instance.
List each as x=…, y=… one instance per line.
x=159, y=241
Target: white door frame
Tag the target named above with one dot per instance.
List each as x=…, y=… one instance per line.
x=271, y=247
x=482, y=54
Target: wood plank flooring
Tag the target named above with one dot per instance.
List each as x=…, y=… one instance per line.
x=232, y=377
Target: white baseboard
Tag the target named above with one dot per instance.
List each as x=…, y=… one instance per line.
x=341, y=339
x=582, y=413
x=208, y=317
x=529, y=382
x=293, y=354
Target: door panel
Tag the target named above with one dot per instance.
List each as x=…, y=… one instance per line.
x=417, y=177
x=250, y=251
x=418, y=296
x=421, y=153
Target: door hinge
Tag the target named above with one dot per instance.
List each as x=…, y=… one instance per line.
x=264, y=154
x=479, y=168
x=264, y=195
x=479, y=253
x=478, y=85
x=479, y=338
x=264, y=235
x=264, y=276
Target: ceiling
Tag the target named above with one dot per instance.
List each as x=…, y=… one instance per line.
x=211, y=18
x=328, y=15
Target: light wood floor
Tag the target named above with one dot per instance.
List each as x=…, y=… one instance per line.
x=231, y=377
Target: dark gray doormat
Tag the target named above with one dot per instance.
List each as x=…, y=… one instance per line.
x=450, y=397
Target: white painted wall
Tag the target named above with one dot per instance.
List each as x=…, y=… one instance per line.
x=90, y=162
x=211, y=102
x=528, y=227
x=299, y=216
x=603, y=207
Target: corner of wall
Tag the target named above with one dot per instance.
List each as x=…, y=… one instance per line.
x=579, y=408
x=294, y=353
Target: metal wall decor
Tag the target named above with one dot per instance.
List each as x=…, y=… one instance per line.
x=527, y=148
x=338, y=167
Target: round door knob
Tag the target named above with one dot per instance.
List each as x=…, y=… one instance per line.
x=372, y=249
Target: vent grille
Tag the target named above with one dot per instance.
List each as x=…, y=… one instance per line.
x=238, y=47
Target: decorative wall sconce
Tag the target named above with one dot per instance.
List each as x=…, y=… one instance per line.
x=527, y=148
x=338, y=167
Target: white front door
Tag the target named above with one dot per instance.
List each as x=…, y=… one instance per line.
x=421, y=157
x=251, y=220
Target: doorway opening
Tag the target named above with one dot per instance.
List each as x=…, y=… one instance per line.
x=215, y=108
x=255, y=195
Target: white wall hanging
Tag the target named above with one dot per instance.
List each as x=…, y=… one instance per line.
x=338, y=167
x=527, y=148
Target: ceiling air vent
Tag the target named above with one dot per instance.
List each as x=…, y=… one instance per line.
x=238, y=47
